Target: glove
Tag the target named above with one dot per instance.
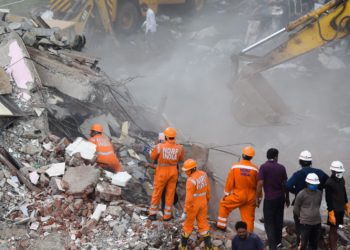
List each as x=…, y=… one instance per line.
x=347, y=209
x=183, y=216
x=331, y=217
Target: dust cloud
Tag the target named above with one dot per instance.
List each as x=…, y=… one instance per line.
x=193, y=71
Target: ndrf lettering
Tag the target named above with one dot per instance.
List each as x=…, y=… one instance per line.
x=170, y=153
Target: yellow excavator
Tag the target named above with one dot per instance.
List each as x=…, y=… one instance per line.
x=256, y=102
x=114, y=15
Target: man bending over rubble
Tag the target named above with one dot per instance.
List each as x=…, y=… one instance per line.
x=106, y=156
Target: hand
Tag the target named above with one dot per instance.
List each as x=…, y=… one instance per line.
x=331, y=217
x=347, y=209
x=183, y=216
x=287, y=202
x=258, y=201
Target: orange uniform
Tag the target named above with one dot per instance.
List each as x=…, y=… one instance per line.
x=168, y=155
x=196, y=202
x=105, y=152
x=240, y=192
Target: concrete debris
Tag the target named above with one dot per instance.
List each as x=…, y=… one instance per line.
x=107, y=192
x=98, y=212
x=86, y=149
x=80, y=180
x=34, y=177
x=121, y=179
x=56, y=169
x=5, y=85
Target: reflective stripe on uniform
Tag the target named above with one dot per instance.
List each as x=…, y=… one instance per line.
x=168, y=207
x=158, y=147
x=105, y=153
x=167, y=213
x=165, y=165
x=222, y=218
x=153, y=207
x=244, y=167
x=200, y=194
x=226, y=193
x=204, y=233
x=193, y=181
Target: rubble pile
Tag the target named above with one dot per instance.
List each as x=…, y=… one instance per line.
x=35, y=32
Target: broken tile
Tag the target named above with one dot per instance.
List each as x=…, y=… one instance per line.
x=121, y=179
x=56, y=169
x=34, y=177
x=34, y=226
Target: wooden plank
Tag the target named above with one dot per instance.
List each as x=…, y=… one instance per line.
x=19, y=174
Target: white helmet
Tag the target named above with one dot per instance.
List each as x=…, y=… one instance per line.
x=312, y=178
x=305, y=156
x=337, y=166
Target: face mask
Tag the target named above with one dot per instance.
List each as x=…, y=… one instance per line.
x=339, y=175
x=312, y=187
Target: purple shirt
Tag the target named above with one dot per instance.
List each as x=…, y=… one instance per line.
x=274, y=176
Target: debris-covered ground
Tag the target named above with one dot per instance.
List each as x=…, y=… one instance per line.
x=52, y=194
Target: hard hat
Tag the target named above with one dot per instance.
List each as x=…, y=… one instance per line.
x=249, y=151
x=170, y=132
x=189, y=164
x=96, y=127
x=337, y=166
x=312, y=178
x=305, y=156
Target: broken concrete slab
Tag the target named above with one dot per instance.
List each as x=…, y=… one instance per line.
x=121, y=179
x=5, y=85
x=80, y=180
x=107, y=192
x=56, y=169
x=86, y=149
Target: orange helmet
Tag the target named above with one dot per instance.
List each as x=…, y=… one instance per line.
x=170, y=132
x=249, y=151
x=189, y=164
x=96, y=127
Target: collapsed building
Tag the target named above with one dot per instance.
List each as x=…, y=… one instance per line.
x=52, y=195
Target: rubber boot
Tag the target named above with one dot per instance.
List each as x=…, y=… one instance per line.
x=207, y=242
x=333, y=238
x=183, y=243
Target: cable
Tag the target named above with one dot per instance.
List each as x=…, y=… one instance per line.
x=9, y=4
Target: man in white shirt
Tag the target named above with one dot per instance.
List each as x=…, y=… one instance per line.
x=149, y=25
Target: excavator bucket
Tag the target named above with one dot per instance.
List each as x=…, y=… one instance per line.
x=255, y=101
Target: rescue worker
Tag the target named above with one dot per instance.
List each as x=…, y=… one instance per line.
x=240, y=191
x=167, y=155
x=337, y=201
x=106, y=156
x=196, y=204
x=296, y=183
x=307, y=209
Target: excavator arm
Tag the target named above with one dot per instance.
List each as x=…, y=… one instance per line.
x=256, y=103
x=317, y=28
